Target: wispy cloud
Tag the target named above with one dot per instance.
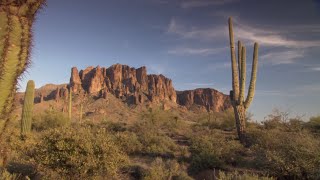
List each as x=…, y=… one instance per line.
x=196, y=51
x=315, y=69
x=267, y=36
x=157, y=68
x=217, y=66
x=282, y=57
x=181, y=30
x=203, y=3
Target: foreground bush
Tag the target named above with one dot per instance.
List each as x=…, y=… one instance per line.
x=293, y=155
x=78, y=152
x=213, y=150
x=170, y=169
x=49, y=120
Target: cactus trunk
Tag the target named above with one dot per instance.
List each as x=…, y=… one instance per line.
x=16, y=19
x=237, y=94
x=26, y=119
x=70, y=105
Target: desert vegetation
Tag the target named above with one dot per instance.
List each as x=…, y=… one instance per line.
x=158, y=147
x=161, y=142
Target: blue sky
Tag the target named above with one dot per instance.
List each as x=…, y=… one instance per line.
x=187, y=41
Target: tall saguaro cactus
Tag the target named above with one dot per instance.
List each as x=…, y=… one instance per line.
x=16, y=20
x=237, y=95
x=26, y=119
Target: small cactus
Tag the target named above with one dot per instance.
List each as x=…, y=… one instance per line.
x=26, y=119
x=237, y=95
x=70, y=104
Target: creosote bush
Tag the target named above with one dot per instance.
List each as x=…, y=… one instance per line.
x=169, y=169
x=49, y=120
x=286, y=154
x=78, y=152
x=213, y=150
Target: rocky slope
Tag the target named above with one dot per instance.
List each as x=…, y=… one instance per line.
x=134, y=87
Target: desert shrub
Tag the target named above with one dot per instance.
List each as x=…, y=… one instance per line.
x=314, y=124
x=49, y=120
x=213, y=150
x=222, y=120
x=236, y=175
x=159, y=119
x=156, y=144
x=4, y=174
x=150, y=133
x=169, y=169
x=128, y=141
x=286, y=154
x=78, y=151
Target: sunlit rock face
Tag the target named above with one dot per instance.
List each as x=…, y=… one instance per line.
x=125, y=82
x=210, y=99
x=135, y=86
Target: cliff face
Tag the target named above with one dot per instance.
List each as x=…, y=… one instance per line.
x=133, y=85
x=211, y=99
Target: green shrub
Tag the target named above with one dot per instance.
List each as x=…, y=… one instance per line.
x=157, y=144
x=169, y=169
x=49, y=120
x=79, y=152
x=285, y=154
x=213, y=150
x=222, y=120
x=129, y=142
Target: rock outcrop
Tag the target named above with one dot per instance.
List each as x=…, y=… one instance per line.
x=130, y=84
x=133, y=86
x=210, y=99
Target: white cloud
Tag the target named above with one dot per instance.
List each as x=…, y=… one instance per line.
x=282, y=57
x=315, y=69
x=194, y=33
x=265, y=36
x=247, y=33
x=196, y=51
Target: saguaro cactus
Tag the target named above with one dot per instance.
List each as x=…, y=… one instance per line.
x=70, y=104
x=237, y=94
x=26, y=119
x=16, y=20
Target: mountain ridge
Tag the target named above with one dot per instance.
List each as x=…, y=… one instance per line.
x=132, y=86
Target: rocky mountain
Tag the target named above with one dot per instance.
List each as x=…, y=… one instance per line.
x=134, y=87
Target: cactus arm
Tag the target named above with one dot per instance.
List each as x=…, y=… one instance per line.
x=26, y=119
x=243, y=75
x=253, y=76
x=235, y=77
x=239, y=59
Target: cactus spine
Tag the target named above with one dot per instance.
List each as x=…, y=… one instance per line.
x=16, y=20
x=26, y=119
x=70, y=104
x=237, y=94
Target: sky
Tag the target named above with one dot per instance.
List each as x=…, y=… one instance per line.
x=187, y=41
